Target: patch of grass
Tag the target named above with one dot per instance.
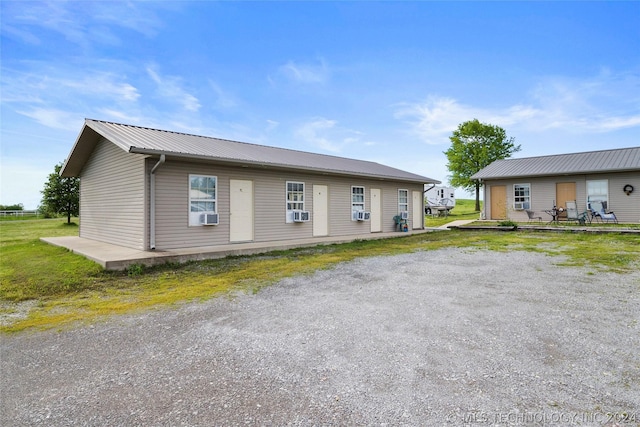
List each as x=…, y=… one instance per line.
x=68, y=288
x=465, y=209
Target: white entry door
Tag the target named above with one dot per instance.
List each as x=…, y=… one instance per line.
x=240, y=210
x=320, y=217
x=376, y=210
x=418, y=212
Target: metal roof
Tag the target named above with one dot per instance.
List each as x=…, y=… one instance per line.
x=140, y=140
x=618, y=160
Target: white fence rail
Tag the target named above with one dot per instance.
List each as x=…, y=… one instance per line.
x=20, y=213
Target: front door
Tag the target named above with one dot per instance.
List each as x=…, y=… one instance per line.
x=376, y=210
x=240, y=210
x=320, y=216
x=565, y=191
x=498, y=202
x=418, y=210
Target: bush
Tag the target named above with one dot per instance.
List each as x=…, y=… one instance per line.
x=508, y=223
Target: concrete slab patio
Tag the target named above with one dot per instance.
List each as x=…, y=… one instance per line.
x=114, y=257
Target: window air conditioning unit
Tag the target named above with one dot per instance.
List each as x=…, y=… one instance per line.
x=363, y=216
x=404, y=215
x=518, y=206
x=301, y=216
x=209, y=219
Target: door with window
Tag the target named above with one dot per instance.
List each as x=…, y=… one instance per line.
x=240, y=210
x=498, y=202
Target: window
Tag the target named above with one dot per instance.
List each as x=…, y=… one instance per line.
x=598, y=191
x=403, y=200
x=202, y=197
x=357, y=201
x=295, y=199
x=521, y=196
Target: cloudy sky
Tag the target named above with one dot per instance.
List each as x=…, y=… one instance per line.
x=381, y=81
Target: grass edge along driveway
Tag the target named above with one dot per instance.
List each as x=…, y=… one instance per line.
x=45, y=287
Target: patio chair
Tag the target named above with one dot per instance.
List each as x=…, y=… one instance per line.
x=598, y=211
x=573, y=215
x=532, y=215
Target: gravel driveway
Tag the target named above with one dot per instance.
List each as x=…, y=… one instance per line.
x=450, y=336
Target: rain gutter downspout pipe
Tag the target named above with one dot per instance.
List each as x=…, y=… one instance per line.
x=152, y=209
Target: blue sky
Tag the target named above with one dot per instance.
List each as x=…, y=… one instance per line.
x=381, y=81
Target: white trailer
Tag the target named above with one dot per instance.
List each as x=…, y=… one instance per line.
x=439, y=200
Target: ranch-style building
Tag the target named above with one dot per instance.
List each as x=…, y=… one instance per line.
x=611, y=177
x=150, y=189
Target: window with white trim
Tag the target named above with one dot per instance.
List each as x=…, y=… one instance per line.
x=294, y=199
x=202, y=197
x=521, y=196
x=357, y=201
x=295, y=196
x=403, y=201
x=598, y=191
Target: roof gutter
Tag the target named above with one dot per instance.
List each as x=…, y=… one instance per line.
x=152, y=197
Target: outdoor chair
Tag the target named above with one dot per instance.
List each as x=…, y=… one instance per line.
x=532, y=215
x=599, y=211
x=573, y=215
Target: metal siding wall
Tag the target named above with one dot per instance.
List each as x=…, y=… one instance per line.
x=172, y=230
x=112, y=197
x=626, y=208
x=543, y=194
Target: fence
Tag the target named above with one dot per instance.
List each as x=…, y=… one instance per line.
x=20, y=213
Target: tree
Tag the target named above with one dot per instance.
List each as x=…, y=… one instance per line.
x=61, y=195
x=474, y=146
x=16, y=207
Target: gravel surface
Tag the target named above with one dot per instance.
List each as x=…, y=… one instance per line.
x=441, y=337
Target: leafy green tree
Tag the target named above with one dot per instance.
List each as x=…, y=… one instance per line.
x=16, y=207
x=61, y=195
x=474, y=146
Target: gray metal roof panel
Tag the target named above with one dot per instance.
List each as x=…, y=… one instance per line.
x=617, y=160
x=137, y=139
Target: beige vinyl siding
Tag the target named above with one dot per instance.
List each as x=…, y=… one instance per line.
x=543, y=194
x=173, y=231
x=626, y=208
x=112, y=195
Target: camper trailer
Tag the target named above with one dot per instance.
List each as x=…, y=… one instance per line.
x=439, y=200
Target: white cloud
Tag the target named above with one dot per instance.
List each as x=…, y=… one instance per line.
x=326, y=135
x=81, y=23
x=435, y=119
x=224, y=100
x=55, y=97
x=312, y=132
x=305, y=73
x=171, y=87
x=574, y=106
x=53, y=118
x=271, y=125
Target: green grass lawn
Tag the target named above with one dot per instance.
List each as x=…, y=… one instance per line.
x=43, y=286
x=464, y=209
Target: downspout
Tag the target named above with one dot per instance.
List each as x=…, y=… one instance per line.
x=432, y=186
x=152, y=209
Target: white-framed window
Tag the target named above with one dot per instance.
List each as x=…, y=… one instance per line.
x=202, y=197
x=294, y=198
x=403, y=201
x=598, y=191
x=357, y=201
x=521, y=196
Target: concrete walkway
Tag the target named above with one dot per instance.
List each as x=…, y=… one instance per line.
x=114, y=257
x=456, y=223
